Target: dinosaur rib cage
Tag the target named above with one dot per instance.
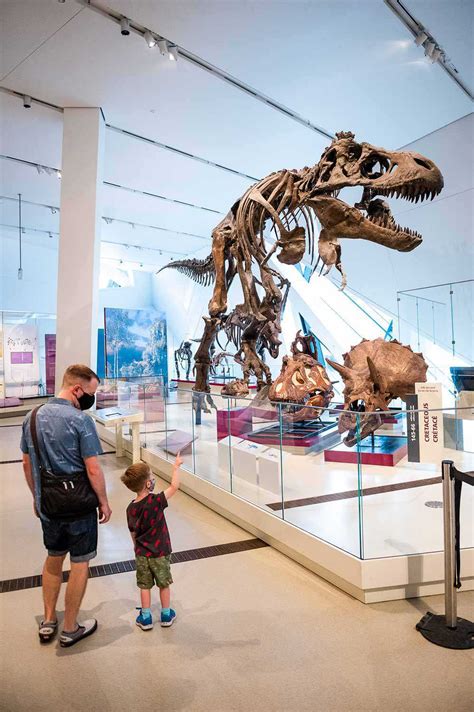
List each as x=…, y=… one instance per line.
x=274, y=198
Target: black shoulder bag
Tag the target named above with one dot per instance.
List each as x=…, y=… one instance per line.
x=63, y=496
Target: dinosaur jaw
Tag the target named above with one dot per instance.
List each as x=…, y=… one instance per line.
x=368, y=220
x=379, y=226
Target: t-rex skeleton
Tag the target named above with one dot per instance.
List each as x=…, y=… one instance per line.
x=287, y=203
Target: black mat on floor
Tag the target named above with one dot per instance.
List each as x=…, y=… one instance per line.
x=121, y=567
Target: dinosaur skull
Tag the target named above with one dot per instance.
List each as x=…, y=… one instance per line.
x=374, y=373
x=379, y=172
x=304, y=381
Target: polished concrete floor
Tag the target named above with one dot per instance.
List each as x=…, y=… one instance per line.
x=255, y=631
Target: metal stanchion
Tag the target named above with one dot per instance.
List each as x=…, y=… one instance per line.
x=450, y=600
x=450, y=631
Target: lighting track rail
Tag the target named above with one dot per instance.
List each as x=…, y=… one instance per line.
x=145, y=139
x=423, y=38
x=197, y=61
x=53, y=233
x=180, y=152
x=55, y=209
x=49, y=170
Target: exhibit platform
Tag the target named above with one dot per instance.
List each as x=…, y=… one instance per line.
x=385, y=450
x=215, y=385
x=297, y=438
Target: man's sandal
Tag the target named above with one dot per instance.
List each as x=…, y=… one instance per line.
x=47, y=631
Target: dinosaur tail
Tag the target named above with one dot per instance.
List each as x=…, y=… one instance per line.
x=201, y=271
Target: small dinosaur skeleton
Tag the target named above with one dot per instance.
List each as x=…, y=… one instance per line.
x=285, y=204
x=182, y=357
x=374, y=373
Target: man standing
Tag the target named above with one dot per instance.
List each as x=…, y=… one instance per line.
x=68, y=444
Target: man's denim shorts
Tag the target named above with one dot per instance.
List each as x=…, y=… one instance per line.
x=77, y=537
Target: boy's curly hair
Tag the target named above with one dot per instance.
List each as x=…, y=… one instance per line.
x=135, y=476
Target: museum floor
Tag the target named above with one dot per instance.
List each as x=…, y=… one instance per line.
x=255, y=631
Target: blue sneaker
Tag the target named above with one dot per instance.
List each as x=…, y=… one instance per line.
x=168, y=618
x=144, y=622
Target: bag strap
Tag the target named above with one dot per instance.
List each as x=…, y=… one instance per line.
x=34, y=433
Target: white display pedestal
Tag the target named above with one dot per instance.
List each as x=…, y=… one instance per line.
x=245, y=457
x=269, y=470
x=118, y=417
x=223, y=452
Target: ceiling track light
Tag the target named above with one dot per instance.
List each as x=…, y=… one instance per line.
x=26, y=101
x=436, y=55
x=124, y=26
x=421, y=37
x=173, y=53
x=163, y=46
x=430, y=47
x=149, y=39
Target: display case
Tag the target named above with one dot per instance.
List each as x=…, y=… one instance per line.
x=377, y=498
x=27, y=356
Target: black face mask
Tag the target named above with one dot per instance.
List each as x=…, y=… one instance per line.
x=86, y=401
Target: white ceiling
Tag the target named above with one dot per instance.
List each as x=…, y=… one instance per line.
x=343, y=64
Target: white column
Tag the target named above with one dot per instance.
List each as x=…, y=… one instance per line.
x=79, y=242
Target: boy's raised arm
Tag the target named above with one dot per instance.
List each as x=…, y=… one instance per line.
x=173, y=488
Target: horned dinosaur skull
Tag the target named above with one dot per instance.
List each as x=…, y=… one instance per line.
x=346, y=163
x=302, y=380
x=374, y=373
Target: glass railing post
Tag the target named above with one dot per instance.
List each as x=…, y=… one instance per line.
x=229, y=440
x=194, y=407
x=359, y=489
x=453, y=339
x=280, y=421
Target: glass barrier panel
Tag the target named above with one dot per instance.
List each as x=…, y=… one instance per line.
x=27, y=355
x=152, y=404
x=401, y=480
x=211, y=437
x=320, y=476
x=255, y=463
x=169, y=429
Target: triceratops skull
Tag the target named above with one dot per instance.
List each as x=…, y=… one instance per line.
x=374, y=373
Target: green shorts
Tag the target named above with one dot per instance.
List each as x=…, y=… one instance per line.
x=153, y=570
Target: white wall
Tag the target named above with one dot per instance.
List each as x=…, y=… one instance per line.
x=36, y=292
x=447, y=251
x=138, y=296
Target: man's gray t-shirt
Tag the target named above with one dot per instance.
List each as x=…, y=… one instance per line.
x=66, y=436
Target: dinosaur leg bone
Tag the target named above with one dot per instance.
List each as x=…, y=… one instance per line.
x=202, y=358
x=220, y=240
